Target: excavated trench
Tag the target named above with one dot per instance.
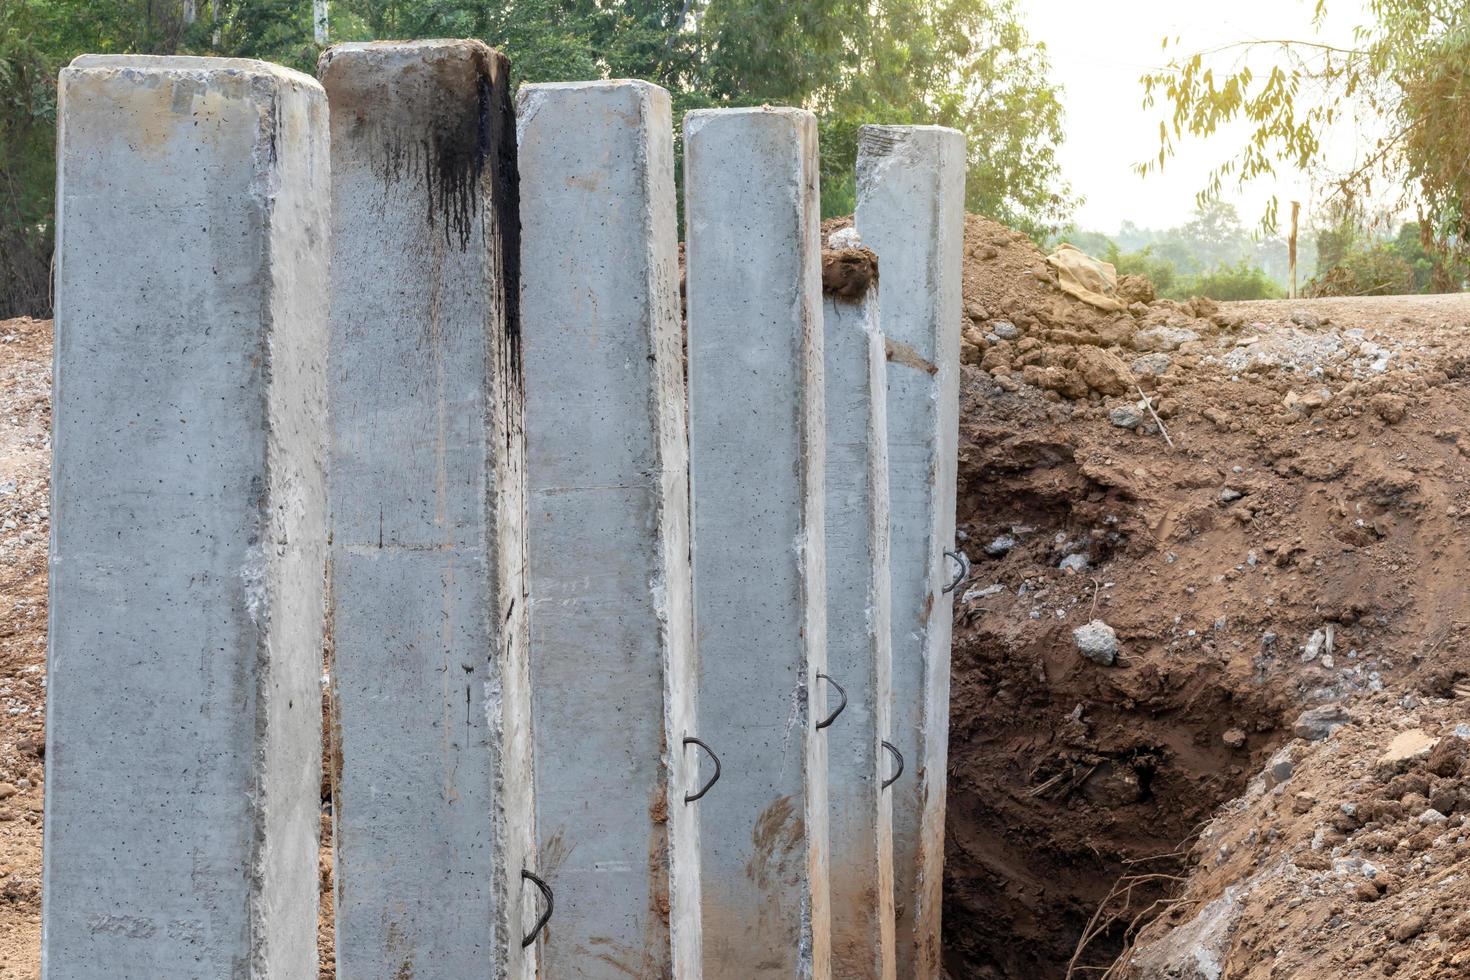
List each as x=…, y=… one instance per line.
x=1070, y=782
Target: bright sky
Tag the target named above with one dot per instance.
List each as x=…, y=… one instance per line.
x=1098, y=50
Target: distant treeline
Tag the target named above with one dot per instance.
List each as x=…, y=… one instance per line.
x=1214, y=255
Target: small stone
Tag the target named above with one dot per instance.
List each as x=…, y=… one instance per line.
x=1098, y=642
x=1407, y=747
x=1431, y=816
x=1125, y=418
x=1163, y=338
x=1234, y=738
x=1280, y=768
x=1151, y=365
x=1315, y=645
x=1305, y=320
x=1073, y=563
x=1005, y=330
x=1390, y=408
x=1000, y=545
x=1102, y=371
x=1410, y=926
x=1315, y=724
x=1446, y=759
x=7, y=791
x=984, y=593
x=1230, y=495
x=844, y=238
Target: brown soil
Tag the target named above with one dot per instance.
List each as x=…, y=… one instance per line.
x=1317, y=482
x=25, y=462
x=1312, y=484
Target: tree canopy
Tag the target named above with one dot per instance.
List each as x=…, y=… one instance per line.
x=1407, y=71
x=963, y=63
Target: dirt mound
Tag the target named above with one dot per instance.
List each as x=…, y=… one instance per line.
x=1345, y=858
x=1261, y=502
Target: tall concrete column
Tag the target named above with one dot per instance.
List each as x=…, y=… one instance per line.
x=432, y=799
x=756, y=455
x=611, y=614
x=858, y=615
x=911, y=211
x=188, y=521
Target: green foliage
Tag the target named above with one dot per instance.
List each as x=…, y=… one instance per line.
x=968, y=64
x=962, y=63
x=1210, y=255
x=1243, y=280
x=27, y=127
x=1161, y=272
x=1234, y=282
x=1353, y=261
x=1409, y=68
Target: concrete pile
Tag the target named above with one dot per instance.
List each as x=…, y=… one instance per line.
x=684, y=677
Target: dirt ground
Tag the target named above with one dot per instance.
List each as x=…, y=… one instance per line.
x=1298, y=546
x=25, y=466
x=1287, y=535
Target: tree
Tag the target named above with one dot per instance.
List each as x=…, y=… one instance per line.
x=1410, y=68
x=27, y=136
x=962, y=63
x=968, y=64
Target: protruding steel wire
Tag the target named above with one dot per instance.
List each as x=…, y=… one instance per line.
x=545, y=916
x=898, y=756
x=963, y=573
x=695, y=797
x=833, y=716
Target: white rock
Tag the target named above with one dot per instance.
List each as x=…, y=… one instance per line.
x=1098, y=642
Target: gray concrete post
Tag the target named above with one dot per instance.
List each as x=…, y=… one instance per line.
x=858, y=616
x=911, y=211
x=188, y=521
x=756, y=461
x=432, y=803
x=611, y=610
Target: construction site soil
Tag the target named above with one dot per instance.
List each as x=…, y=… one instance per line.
x=1252, y=760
